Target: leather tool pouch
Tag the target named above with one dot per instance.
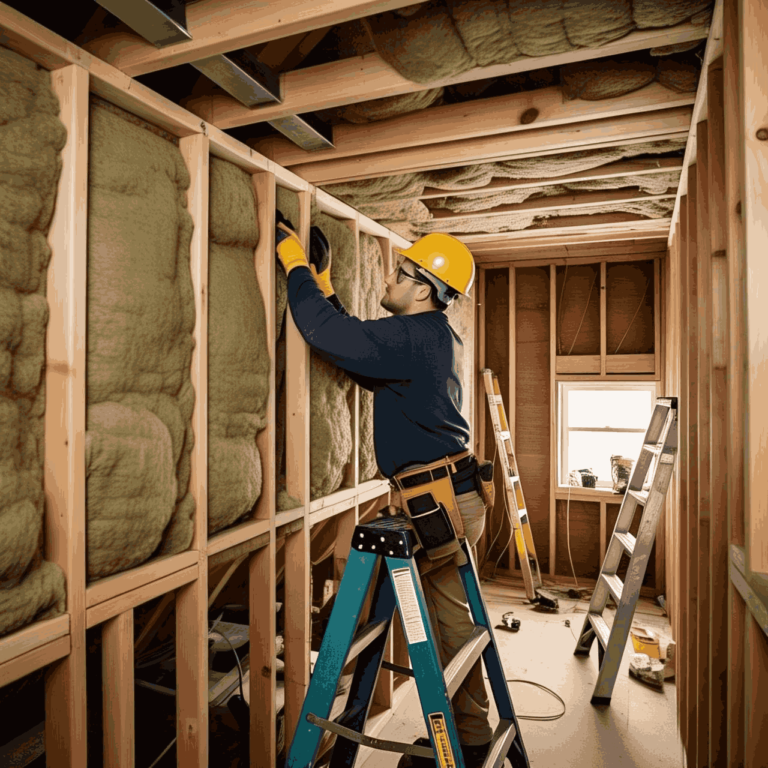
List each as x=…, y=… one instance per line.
x=485, y=486
x=434, y=512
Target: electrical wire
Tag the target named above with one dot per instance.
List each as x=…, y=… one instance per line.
x=539, y=718
x=162, y=754
x=639, y=307
x=568, y=533
x=239, y=673
x=591, y=288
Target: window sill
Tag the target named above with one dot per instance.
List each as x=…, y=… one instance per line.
x=588, y=494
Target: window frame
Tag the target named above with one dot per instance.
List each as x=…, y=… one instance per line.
x=563, y=431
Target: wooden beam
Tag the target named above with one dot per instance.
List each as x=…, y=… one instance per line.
x=615, y=170
x=713, y=50
x=555, y=203
x=367, y=77
x=603, y=338
x=511, y=409
x=737, y=364
x=64, y=471
x=194, y=150
x=473, y=120
x=553, y=462
x=537, y=142
x=118, y=686
x=484, y=252
x=220, y=26
x=718, y=542
x=753, y=19
x=692, y=527
x=704, y=319
x=681, y=671
x=287, y=53
x=298, y=634
x=261, y=565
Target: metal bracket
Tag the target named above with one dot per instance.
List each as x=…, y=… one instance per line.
x=370, y=741
x=161, y=23
x=243, y=76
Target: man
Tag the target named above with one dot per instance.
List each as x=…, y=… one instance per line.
x=412, y=361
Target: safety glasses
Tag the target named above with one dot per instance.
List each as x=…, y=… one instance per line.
x=402, y=275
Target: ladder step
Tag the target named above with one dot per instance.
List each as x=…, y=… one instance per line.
x=365, y=637
x=614, y=584
x=502, y=739
x=628, y=541
x=641, y=496
x=652, y=448
x=503, y=435
x=600, y=627
x=462, y=662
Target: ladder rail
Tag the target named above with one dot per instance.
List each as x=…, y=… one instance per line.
x=654, y=465
x=513, y=489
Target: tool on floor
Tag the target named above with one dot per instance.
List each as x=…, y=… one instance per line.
x=526, y=551
x=656, y=462
x=509, y=622
x=388, y=545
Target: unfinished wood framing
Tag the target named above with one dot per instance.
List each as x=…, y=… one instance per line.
x=537, y=142
x=488, y=117
x=182, y=578
x=718, y=616
x=368, y=77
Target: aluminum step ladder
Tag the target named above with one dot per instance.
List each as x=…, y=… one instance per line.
x=388, y=545
x=513, y=489
x=647, y=488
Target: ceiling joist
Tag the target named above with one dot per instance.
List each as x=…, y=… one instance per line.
x=475, y=119
x=368, y=77
x=538, y=142
x=603, y=243
x=618, y=226
x=221, y=26
x=615, y=170
x=555, y=203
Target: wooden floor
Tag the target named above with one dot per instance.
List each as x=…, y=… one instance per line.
x=638, y=729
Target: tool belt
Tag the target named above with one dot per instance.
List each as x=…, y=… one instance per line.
x=427, y=496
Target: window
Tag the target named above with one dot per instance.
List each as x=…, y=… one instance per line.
x=598, y=421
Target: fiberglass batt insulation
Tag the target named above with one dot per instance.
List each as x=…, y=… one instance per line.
x=141, y=316
x=330, y=425
x=394, y=200
x=31, y=138
x=444, y=38
x=238, y=357
x=371, y=291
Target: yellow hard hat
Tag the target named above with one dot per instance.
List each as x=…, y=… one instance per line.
x=444, y=257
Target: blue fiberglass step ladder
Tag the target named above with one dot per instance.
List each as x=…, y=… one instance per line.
x=653, y=471
x=390, y=543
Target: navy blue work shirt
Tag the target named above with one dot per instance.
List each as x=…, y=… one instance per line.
x=413, y=364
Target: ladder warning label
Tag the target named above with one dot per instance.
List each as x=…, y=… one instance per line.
x=440, y=739
x=409, y=606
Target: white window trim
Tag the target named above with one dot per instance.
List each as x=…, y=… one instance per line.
x=562, y=418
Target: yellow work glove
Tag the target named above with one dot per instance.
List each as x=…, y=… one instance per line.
x=290, y=251
x=320, y=260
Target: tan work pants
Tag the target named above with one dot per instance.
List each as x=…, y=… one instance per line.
x=452, y=624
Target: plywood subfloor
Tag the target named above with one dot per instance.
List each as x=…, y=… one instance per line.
x=638, y=729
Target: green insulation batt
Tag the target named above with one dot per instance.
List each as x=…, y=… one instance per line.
x=31, y=139
x=371, y=291
x=330, y=423
x=443, y=38
x=238, y=357
x=394, y=200
x=141, y=316
x=439, y=40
